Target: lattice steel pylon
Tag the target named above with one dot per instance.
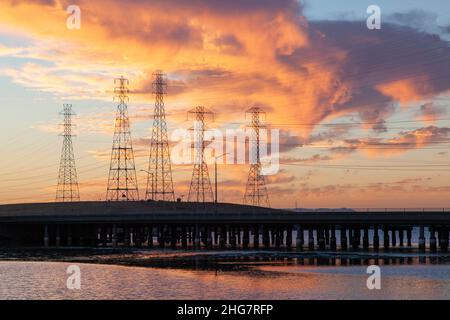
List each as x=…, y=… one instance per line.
x=122, y=181
x=67, y=189
x=256, y=191
x=159, y=180
x=200, y=189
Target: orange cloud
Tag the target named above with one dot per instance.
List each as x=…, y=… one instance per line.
x=406, y=140
x=405, y=90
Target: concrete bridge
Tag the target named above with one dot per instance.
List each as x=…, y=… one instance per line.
x=216, y=226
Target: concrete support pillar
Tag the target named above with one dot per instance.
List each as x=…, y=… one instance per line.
x=166, y=234
x=350, y=237
x=422, y=237
x=126, y=236
x=439, y=237
x=150, y=237
x=320, y=233
x=233, y=240
x=114, y=236
x=300, y=238
x=132, y=232
x=446, y=239
x=443, y=238
x=139, y=236
x=209, y=237
x=184, y=240
x=281, y=235
x=216, y=236
x=190, y=236
x=432, y=239
x=161, y=240
x=310, y=239
x=327, y=236
x=343, y=234
x=197, y=237
x=394, y=237
x=277, y=233
x=246, y=238
x=356, y=238
x=103, y=236
x=256, y=237
x=108, y=235
x=333, y=238
x=238, y=235
x=409, y=237
x=203, y=236
x=366, y=238
x=173, y=237
x=46, y=237
x=223, y=237
x=266, y=237
x=401, y=235
x=58, y=236
x=386, y=239
x=289, y=237
x=376, y=238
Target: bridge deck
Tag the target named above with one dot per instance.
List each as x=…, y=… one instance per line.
x=159, y=212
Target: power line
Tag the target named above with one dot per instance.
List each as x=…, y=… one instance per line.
x=361, y=168
x=279, y=124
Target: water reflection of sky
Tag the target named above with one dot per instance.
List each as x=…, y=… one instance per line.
x=46, y=280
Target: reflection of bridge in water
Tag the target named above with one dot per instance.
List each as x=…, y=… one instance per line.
x=211, y=226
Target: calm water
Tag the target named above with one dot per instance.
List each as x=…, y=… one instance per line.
x=222, y=275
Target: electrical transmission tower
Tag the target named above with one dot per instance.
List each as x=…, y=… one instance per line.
x=256, y=191
x=122, y=181
x=159, y=181
x=67, y=190
x=200, y=189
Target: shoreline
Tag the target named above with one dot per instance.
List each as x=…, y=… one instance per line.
x=222, y=260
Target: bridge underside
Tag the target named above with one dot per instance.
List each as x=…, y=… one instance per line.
x=211, y=226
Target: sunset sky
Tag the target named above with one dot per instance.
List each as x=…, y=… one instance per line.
x=364, y=114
